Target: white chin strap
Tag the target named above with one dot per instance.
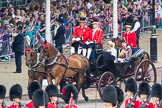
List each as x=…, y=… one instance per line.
x=89, y=52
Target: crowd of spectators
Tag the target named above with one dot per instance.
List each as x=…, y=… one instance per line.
x=32, y=16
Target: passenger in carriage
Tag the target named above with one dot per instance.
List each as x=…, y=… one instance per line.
x=110, y=97
x=125, y=52
x=111, y=49
x=95, y=38
x=130, y=90
x=80, y=35
x=156, y=96
x=129, y=36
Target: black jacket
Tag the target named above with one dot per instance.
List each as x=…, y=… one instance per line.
x=18, y=43
x=59, y=37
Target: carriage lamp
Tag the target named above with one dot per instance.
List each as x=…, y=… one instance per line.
x=153, y=38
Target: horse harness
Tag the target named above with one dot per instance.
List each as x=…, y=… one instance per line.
x=66, y=65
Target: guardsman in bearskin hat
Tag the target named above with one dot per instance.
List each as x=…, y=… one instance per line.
x=40, y=99
x=143, y=94
x=15, y=94
x=156, y=96
x=130, y=89
x=120, y=96
x=53, y=94
x=95, y=38
x=110, y=96
x=31, y=89
x=2, y=96
x=70, y=96
x=80, y=35
x=129, y=37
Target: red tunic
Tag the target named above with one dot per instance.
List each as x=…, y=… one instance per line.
x=14, y=106
x=97, y=35
x=1, y=106
x=127, y=101
x=130, y=38
x=52, y=105
x=151, y=105
x=139, y=103
x=82, y=32
x=71, y=106
x=30, y=104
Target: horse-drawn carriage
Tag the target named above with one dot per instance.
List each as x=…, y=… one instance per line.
x=100, y=71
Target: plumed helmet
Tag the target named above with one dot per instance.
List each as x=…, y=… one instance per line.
x=32, y=87
x=15, y=92
x=144, y=88
x=131, y=85
x=110, y=95
x=156, y=91
x=52, y=90
x=40, y=98
x=67, y=91
x=2, y=91
x=120, y=95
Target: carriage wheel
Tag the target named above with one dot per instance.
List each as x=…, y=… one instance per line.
x=146, y=71
x=106, y=79
x=100, y=63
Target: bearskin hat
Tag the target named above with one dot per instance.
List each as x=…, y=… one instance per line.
x=120, y=95
x=60, y=18
x=156, y=91
x=67, y=91
x=52, y=90
x=110, y=95
x=32, y=87
x=2, y=91
x=15, y=92
x=144, y=88
x=131, y=85
x=82, y=19
x=40, y=98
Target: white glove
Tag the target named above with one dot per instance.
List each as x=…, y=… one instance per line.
x=87, y=42
x=78, y=39
x=91, y=42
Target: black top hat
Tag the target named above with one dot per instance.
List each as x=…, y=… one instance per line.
x=33, y=87
x=95, y=21
x=120, y=95
x=131, y=85
x=19, y=27
x=40, y=98
x=144, y=88
x=110, y=95
x=130, y=10
x=82, y=19
x=52, y=90
x=66, y=93
x=156, y=91
x=2, y=91
x=15, y=92
x=60, y=18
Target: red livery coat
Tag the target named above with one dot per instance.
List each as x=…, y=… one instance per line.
x=52, y=105
x=71, y=106
x=14, y=106
x=130, y=38
x=30, y=104
x=82, y=32
x=97, y=35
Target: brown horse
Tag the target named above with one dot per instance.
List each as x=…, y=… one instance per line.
x=60, y=67
x=36, y=71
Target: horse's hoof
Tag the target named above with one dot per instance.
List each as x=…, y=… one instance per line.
x=86, y=98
